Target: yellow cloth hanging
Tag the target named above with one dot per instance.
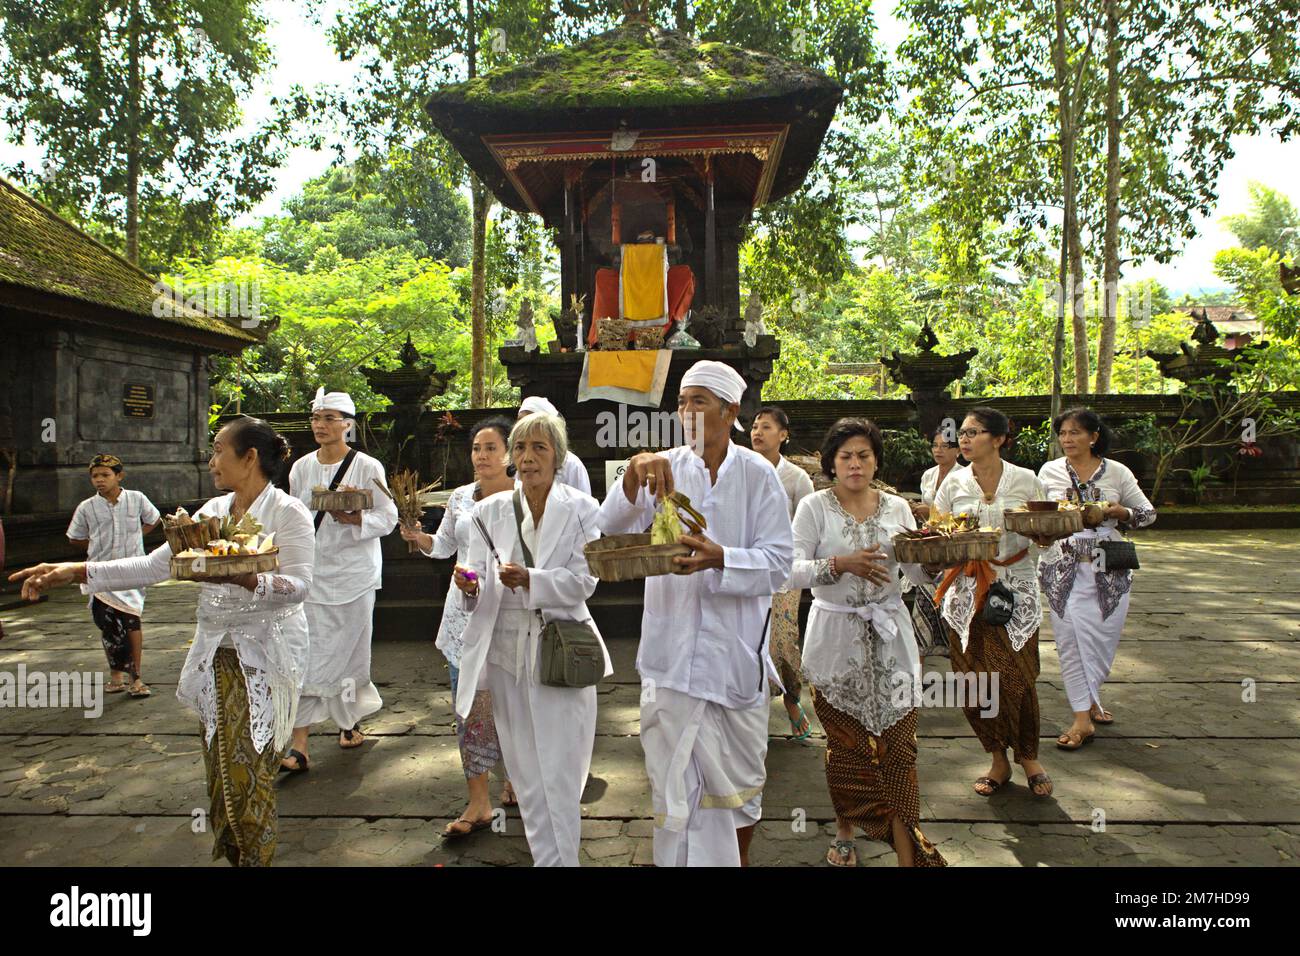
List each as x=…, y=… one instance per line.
x=645, y=281
x=634, y=370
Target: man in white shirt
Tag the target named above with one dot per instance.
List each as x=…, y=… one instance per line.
x=702, y=655
x=348, y=572
x=573, y=472
x=112, y=524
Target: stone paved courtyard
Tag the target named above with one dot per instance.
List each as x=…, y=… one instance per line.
x=1189, y=774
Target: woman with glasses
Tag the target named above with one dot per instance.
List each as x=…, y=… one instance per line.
x=1088, y=604
x=931, y=632
x=989, y=641
x=476, y=733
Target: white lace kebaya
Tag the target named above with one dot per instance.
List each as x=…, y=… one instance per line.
x=961, y=492
x=859, y=649
x=267, y=626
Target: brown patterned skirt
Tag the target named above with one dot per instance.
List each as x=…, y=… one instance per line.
x=241, y=782
x=988, y=652
x=784, y=643
x=872, y=777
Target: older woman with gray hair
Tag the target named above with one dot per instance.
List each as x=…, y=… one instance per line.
x=525, y=572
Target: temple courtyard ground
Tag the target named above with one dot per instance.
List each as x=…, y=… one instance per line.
x=1201, y=766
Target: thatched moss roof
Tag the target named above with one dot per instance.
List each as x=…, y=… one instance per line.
x=42, y=252
x=644, y=78
x=636, y=66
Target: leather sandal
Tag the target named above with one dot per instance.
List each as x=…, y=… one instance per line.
x=449, y=834
x=348, y=735
x=1039, y=780
x=842, y=853
x=1106, y=716
x=298, y=755
x=993, y=785
x=1073, y=739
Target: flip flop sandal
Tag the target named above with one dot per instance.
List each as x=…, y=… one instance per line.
x=1074, y=740
x=845, y=850
x=303, y=765
x=993, y=785
x=1038, y=780
x=448, y=834
x=141, y=693
x=512, y=800
x=794, y=725
x=347, y=735
x=1106, y=717
x=115, y=687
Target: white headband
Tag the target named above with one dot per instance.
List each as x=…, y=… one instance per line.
x=535, y=403
x=333, y=402
x=720, y=379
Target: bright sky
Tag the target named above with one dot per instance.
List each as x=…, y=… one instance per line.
x=304, y=56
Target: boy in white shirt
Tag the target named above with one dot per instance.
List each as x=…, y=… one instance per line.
x=112, y=524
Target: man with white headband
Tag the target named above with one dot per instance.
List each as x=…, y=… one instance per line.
x=341, y=602
x=573, y=472
x=702, y=658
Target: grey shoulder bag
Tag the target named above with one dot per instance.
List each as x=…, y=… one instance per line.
x=571, y=654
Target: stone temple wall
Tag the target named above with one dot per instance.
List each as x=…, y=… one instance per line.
x=69, y=401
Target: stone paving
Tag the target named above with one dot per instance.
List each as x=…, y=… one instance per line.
x=1201, y=766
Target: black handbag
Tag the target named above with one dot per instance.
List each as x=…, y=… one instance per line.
x=571, y=655
x=999, y=604
x=1120, y=555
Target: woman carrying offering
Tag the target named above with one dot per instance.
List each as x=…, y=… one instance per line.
x=1088, y=603
x=994, y=647
x=529, y=570
x=476, y=734
x=860, y=654
x=246, y=665
x=931, y=632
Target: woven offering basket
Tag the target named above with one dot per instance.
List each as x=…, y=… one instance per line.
x=630, y=557
x=948, y=550
x=1047, y=524
x=611, y=334
x=185, y=536
x=220, y=566
x=342, y=500
x=648, y=338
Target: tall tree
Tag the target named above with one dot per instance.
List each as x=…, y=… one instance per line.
x=136, y=106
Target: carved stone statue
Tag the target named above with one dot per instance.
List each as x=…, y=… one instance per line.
x=526, y=334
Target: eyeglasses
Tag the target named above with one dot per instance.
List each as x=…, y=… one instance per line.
x=972, y=432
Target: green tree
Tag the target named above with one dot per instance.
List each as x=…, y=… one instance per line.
x=1272, y=222
x=136, y=106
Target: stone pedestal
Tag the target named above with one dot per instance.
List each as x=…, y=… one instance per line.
x=928, y=374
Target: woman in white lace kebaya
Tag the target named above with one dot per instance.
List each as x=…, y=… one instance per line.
x=245, y=668
x=984, y=651
x=480, y=750
x=860, y=654
x=1087, y=602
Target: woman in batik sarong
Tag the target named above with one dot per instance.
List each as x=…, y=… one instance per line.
x=480, y=750
x=860, y=653
x=245, y=667
x=984, y=651
x=1087, y=602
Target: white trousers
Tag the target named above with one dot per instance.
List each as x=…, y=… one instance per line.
x=706, y=768
x=1085, y=643
x=546, y=736
x=338, y=685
